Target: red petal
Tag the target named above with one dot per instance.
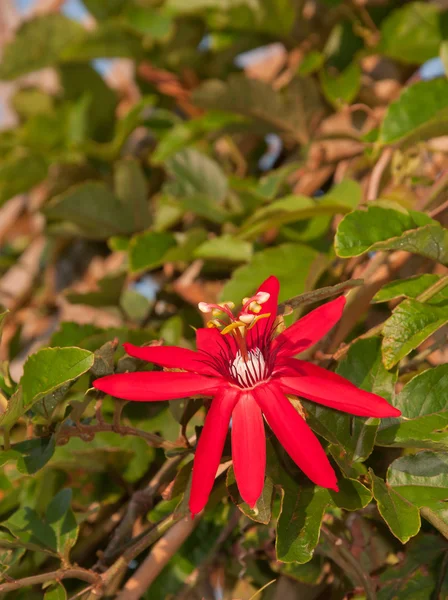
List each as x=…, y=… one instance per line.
x=309, y=329
x=248, y=448
x=171, y=357
x=263, y=327
x=210, y=446
x=332, y=390
x=213, y=343
x=147, y=386
x=295, y=436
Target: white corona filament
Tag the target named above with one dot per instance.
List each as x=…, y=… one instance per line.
x=248, y=373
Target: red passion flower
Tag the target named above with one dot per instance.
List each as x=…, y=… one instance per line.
x=248, y=370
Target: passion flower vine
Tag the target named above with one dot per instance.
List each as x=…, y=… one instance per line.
x=249, y=369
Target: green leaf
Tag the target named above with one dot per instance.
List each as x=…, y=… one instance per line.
x=421, y=112
x=187, y=244
x=269, y=185
x=185, y=133
x=355, y=436
x=55, y=592
x=342, y=88
x=135, y=305
x=108, y=40
x=341, y=199
x=425, y=394
x=402, y=517
x=362, y=365
x=44, y=373
x=29, y=102
x=20, y=173
x=421, y=478
x=298, y=525
x=62, y=521
x=225, y=248
x=430, y=241
x=28, y=528
x=352, y=495
x=444, y=55
x=281, y=260
x=412, y=33
x=104, y=360
x=311, y=62
x=81, y=81
x=31, y=455
x=95, y=211
x=377, y=228
x=261, y=513
x=38, y=43
x=427, y=431
x=104, y=10
x=423, y=404
x=410, y=324
x=195, y=174
x=153, y=23
x=9, y=557
x=148, y=249
x=290, y=112
x=73, y=334
x=410, y=288
x=205, y=207
x=34, y=454
x=131, y=188
x=108, y=294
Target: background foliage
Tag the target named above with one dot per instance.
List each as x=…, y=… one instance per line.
x=184, y=170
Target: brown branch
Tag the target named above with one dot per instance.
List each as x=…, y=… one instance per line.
x=162, y=552
x=139, y=504
x=377, y=174
x=88, y=432
x=316, y=295
x=73, y=573
x=343, y=557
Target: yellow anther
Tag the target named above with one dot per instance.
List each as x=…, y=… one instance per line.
x=247, y=318
x=255, y=307
x=213, y=323
x=258, y=318
x=229, y=305
x=232, y=327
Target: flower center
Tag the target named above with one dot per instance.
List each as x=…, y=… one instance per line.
x=250, y=371
x=238, y=326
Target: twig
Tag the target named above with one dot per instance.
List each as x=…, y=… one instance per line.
x=377, y=174
x=441, y=577
x=139, y=504
x=419, y=358
x=73, y=573
x=316, y=295
x=199, y=573
x=158, y=558
x=440, y=209
x=143, y=542
x=341, y=554
x=433, y=289
x=89, y=431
